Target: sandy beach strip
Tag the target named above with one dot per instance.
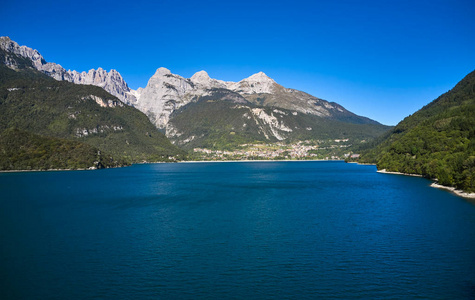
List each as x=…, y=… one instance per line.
x=459, y=193
x=453, y=190
x=398, y=173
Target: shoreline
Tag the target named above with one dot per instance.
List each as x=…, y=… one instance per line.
x=434, y=184
x=459, y=193
x=362, y=164
x=257, y=160
x=398, y=173
x=48, y=170
x=177, y=162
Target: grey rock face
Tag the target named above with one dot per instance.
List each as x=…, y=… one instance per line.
x=111, y=81
x=166, y=92
x=38, y=62
x=255, y=84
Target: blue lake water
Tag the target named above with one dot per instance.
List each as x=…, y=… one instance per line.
x=255, y=230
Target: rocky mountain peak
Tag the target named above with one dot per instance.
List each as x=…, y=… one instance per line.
x=259, y=77
x=110, y=81
x=200, y=76
x=38, y=62
x=202, y=80
x=114, y=73
x=258, y=83
x=162, y=72
x=7, y=44
x=163, y=94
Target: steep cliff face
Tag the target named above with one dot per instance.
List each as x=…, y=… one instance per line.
x=38, y=62
x=164, y=93
x=111, y=81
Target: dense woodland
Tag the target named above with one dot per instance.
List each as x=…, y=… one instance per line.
x=437, y=141
x=21, y=150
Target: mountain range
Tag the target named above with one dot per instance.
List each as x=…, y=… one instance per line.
x=55, y=124
x=201, y=111
x=111, y=81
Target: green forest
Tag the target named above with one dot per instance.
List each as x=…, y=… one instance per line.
x=21, y=150
x=68, y=126
x=438, y=141
x=219, y=125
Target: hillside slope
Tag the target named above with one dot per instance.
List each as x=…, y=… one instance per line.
x=35, y=103
x=22, y=150
x=438, y=141
x=223, y=120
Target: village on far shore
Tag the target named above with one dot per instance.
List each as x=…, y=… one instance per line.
x=336, y=149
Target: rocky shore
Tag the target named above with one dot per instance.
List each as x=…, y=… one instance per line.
x=435, y=184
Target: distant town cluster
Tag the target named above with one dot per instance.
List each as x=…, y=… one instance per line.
x=302, y=150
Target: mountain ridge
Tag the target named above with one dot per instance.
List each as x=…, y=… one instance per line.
x=277, y=113
x=257, y=88
x=110, y=81
x=165, y=92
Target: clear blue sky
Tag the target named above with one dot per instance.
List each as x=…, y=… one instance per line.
x=381, y=59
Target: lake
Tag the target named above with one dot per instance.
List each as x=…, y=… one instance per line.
x=243, y=230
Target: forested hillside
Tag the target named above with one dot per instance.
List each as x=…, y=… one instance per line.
x=22, y=150
x=438, y=141
x=216, y=123
x=37, y=104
